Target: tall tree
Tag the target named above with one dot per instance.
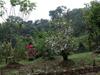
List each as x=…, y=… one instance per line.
x=25, y=8
x=77, y=19
x=92, y=17
x=59, y=40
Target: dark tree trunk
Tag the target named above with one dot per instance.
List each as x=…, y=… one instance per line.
x=90, y=45
x=64, y=55
x=6, y=60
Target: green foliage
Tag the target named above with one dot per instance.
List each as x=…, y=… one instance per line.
x=17, y=32
x=7, y=52
x=65, y=31
x=20, y=48
x=83, y=39
x=14, y=2
x=14, y=28
x=42, y=25
x=95, y=13
x=25, y=8
x=77, y=19
x=25, y=5
x=1, y=7
x=92, y=17
x=60, y=38
x=40, y=40
x=81, y=47
x=57, y=13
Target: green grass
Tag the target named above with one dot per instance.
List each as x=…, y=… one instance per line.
x=11, y=72
x=2, y=65
x=24, y=62
x=81, y=56
x=84, y=59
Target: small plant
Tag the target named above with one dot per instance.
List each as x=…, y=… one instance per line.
x=8, y=52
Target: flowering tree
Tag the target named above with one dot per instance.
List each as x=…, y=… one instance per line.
x=60, y=38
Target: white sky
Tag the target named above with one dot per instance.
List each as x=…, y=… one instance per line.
x=44, y=6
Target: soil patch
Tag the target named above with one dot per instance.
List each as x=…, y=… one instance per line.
x=14, y=65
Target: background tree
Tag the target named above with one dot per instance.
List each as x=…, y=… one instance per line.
x=92, y=18
x=76, y=17
x=25, y=8
x=42, y=25
x=59, y=40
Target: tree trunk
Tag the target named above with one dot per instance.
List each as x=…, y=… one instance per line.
x=64, y=55
x=90, y=45
x=6, y=60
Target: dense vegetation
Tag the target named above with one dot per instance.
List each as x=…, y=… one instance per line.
x=67, y=32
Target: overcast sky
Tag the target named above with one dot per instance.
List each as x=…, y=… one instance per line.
x=44, y=6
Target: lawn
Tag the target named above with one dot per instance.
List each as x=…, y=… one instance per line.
x=82, y=59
